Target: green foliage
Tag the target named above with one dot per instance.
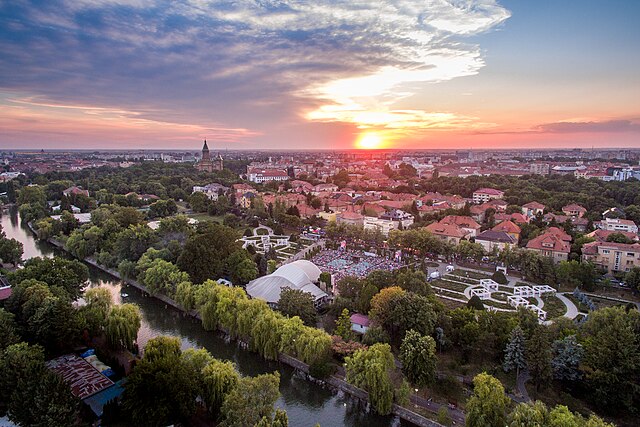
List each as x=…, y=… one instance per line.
x=294, y=302
x=162, y=388
x=343, y=326
x=374, y=335
x=568, y=355
x=8, y=329
x=218, y=378
x=163, y=208
x=122, y=325
x=528, y=415
x=487, y=406
x=162, y=277
x=418, y=356
x=612, y=357
x=205, y=253
x=251, y=400
x=475, y=303
x=397, y=311
x=514, y=353
x=10, y=250
x=185, y=295
x=539, y=357
x=369, y=369
x=402, y=394
x=67, y=275
x=632, y=278
x=499, y=277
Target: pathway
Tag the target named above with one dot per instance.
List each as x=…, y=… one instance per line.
x=572, y=310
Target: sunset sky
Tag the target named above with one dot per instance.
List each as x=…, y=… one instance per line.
x=319, y=74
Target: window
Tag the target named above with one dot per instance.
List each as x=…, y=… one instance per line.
x=631, y=254
x=605, y=251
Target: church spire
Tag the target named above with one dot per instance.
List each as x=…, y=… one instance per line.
x=205, y=147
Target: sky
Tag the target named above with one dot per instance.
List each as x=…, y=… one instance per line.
x=280, y=74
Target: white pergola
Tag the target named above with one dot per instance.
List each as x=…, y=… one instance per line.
x=481, y=293
x=542, y=315
x=523, y=291
x=517, y=301
x=489, y=285
x=543, y=289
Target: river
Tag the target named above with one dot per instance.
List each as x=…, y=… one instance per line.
x=306, y=403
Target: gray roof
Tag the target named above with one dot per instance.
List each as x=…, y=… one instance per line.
x=299, y=275
x=495, y=236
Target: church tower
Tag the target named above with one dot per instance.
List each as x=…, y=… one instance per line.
x=205, y=152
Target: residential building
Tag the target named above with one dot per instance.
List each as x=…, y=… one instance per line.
x=466, y=223
x=612, y=257
x=495, y=240
x=360, y=323
x=532, y=209
x=392, y=220
x=350, y=218
x=551, y=245
x=617, y=224
x=510, y=228
x=212, y=191
x=483, y=195
x=448, y=232
x=75, y=190
x=601, y=235
x=539, y=168
x=574, y=210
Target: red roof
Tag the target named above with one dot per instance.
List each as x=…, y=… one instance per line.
x=448, y=230
x=360, y=319
x=534, y=205
x=461, y=221
x=489, y=191
x=507, y=227
x=5, y=293
x=549, y=242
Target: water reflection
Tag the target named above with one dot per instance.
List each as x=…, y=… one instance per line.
x=306, y=403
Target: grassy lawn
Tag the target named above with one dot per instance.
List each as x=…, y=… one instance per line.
x=506, y=289
x=451, y=294
x=462, y=279
x=581, y=307
x=553, y=306
x=500, y=296
x=471, y=274
x=442, y=283
x=497, y=304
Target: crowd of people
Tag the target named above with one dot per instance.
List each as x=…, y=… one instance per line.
x=343, y=262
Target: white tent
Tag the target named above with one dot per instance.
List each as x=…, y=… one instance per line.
x=299, y=275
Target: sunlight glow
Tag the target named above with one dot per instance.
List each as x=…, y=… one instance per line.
x=369, y=141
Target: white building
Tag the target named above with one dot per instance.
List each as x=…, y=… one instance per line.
x=483, y=195
x=264, y=175
x=616, y=224
x=302, y=275
x=212, y=191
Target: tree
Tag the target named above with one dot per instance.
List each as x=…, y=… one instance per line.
x=295, y=302
x=500, y=278
x=8, y=329
x=418, y=357
x=369, y=369
x=343, y=326
x=539, y=357
x=486, y=407
x=612, y=357
x=123, y=323
x=205, y=253
x=618, y=238
x=162, y=388
x=163, y=277
x=566, y=362
x=199, y=202
x=11, y=251
x=218, y=378
x=398, y=311
x=374, y=335
x=514, y=353
x=95, y=313
x=43, y=399
x=17, y=363
x=132, y=242
x=414, y=281
x=632, y=278
x=475, y=303
x=68, y=275
x=241, y=267
x=251, y=400
x=528, y=414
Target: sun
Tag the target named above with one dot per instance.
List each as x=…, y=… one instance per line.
x=369, y=141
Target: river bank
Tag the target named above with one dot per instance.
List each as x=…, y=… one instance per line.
x=335, y=383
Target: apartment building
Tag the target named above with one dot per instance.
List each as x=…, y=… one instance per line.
x=612, y=257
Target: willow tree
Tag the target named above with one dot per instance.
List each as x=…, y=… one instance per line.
x=265, y=334
x=227, y=300
x=95, y=313
x=370, y=369
x=123, y=323
x=248, y=311
x=291, y=333
x=313, y=345
x=218, y=379
x=205, y=301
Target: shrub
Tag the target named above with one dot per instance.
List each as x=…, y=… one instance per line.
x=500, y=278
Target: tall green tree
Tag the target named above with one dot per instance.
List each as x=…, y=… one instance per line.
x=294, y=302
x=487, y=406
x=122, y=325
x=568, y=354
x=514, y=353
x=370, y=369
x=539, y=357
x=251, y=400
x=418, y=356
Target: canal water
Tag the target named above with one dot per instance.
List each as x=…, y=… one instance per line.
x=306, y=403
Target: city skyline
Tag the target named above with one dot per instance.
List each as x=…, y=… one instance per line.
x=329, y=75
